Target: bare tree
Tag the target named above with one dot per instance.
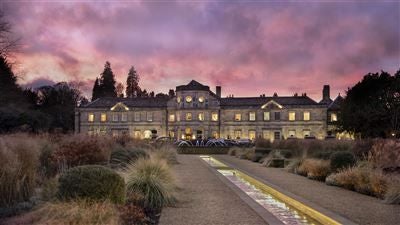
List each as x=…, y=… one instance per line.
x=8, y=43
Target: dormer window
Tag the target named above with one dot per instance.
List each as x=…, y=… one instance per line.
x=201, y=99
x=188, y=99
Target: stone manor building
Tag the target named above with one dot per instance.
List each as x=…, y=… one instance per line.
x=198, y=112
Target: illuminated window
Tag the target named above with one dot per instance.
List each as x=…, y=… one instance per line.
x=188, y=116
x=91, y=117
x=292, y=116
x=188, y=98
x=306, y=116
x=292, y=133
x=137, y=116
x=115, y=117
x=137, y=134
x=306, y=133
x=252, y=134
x=252, y=116
x=277, y=115
x=238, y=134
x=201, y=116
x=188, y=130
x=178, y=99
x=171, y=133
x=214, y=134
x=214, y=116
x=147, y=134
x=178, y=117
x=149, y=116
x=333, y=117
x=124, y=117
x=267, y=116
x=201, y=99
x=103, y=117
x=238, y=117
x=171, y=118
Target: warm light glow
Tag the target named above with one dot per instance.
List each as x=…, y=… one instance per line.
x=267, y=116
x=238, y=117
x=292, y=116
x=252, y=116
x=252, y=134
x=333, y=117
x=103, y=117
x=171, y=118
x=272, y=102
x=306, y=116
x=91, y=117
x=119, y=105
x=188, y=99
x=201, y=116
x=189, y=116
x=214, y=116
x=201, y=99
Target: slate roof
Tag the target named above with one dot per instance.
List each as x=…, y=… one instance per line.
x=193, y=85
x=157, y=102
x=335, y=105
x=259, y=101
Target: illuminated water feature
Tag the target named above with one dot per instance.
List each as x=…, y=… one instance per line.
x=281, y=210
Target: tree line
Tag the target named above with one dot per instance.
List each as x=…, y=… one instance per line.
x=106, y=86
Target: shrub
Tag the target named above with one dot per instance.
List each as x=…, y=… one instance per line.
x=340, y=160
x=365, y=180
x=314, y=169
x=152, y=180
x=385, y=154
x=49, y=189
x=76, y=213
x=262, y=143
x=293, y=165
x=47, y=167
x=19, y=160
x=121, y=156
x=286, y=153
x=362, y=147
x=322, y=155
x=91, y=182
x=167, y=152
x=132, y=213
x=81, y=150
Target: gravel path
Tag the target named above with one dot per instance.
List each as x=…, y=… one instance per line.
x=359, y=208
x=204, y=199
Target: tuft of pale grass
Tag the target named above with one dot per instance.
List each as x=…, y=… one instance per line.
x=76, y=213
x=385, y=154
x=392, y=195
x=19, y=160
x=314, y=168
x=152, y=180
x=167, y=152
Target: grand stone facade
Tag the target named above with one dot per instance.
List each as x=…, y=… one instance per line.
x=197, y=112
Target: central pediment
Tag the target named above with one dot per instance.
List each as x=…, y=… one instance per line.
x=272, y=105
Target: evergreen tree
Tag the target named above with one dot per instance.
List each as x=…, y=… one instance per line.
x=10, y=92
x=132, y=84
x=171, y=93
x=107, y=82
x=96, y=90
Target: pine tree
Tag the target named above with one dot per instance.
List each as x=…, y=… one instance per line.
x=10, y=92
x=132, y=84
x=107, y=82
x=96, y=90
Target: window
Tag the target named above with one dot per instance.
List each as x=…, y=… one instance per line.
x=214, y=134
x=265, y=134
x=178, y=117
x=188, y=130
x=91, y=117
x=238, y=117
x=277, y=135
x=115, y=117
x=178, y=99
x=124, y=117
x=149, y=116
x=188, y=99
x=252, y=116
x=306, y=133
x=214, y=116
x=333, y=117
x=277, y=115
x=292, y=116
x=238, y=134
x=201, y=99
x=292, y=133
x=252, y=134
x=171, y=118
x=171, y=134
x=147, y=134
x=103, y=117
x=137, y=134
x=201, y=116
x=188, y=116
x=306, y=116
x=137, y=116
x=103, y=130
x=267, y=116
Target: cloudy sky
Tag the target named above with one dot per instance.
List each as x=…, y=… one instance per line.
x=249, y=48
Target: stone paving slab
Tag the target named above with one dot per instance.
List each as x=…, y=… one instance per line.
x=205, y=199
x=356, y=207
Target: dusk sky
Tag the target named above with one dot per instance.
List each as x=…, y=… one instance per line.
x=249, y=48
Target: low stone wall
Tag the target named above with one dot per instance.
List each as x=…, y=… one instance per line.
x=203, y=150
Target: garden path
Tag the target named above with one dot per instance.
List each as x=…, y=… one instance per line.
x=361, y=209
x=205, y=199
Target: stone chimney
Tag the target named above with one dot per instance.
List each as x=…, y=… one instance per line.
x=326, y=93
x=218, y=91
